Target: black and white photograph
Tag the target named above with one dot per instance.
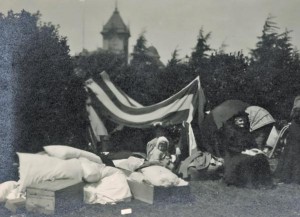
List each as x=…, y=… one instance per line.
x=149, y=108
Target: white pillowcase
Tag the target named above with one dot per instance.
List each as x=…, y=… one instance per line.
x=130, y=164
x=137, y=177
x=6, y=188
x=112, y=188
x=66, y=152
x=91, y=170
x=36, y=168
x=160, y=176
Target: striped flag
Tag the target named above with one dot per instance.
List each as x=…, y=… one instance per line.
x=114, y=104
x=111, y=102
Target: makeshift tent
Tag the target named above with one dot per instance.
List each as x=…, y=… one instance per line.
x=96, y=130
x=111, y=102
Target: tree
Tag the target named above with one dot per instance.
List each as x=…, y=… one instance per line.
x=226, y=78
x=199, y=60
x=49, y=101
x=174, y=59
x=272, y=71
x=267, y=41
x=200, y=51
x=8, y=43
x=143, y=72
x=139, y=51
x=94, y=62
x=174, y=77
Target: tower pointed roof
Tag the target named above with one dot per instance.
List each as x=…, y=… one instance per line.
x=116, y=24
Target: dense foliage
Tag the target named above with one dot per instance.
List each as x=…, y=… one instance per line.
x=48, y=100
x=274, y=70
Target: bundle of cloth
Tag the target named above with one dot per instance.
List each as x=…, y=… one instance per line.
x=200, y=166
x=156, y=169
x=104, y=184
x=139, y=170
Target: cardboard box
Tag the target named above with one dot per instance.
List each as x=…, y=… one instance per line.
x=156, y=194
x=52, y=197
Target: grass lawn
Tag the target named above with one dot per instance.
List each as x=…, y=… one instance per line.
x=209, y=198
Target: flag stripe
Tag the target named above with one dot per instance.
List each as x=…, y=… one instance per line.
x=135, y=115
x=99, y=87
x=113, y=103
x=169, y=118
x=120, y=95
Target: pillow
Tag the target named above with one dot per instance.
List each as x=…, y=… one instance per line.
x=36, y=168
x=91, y=170
x=130, y=164
x=6, y=188
x=160, y=176
x=109, y=171
x=137, y=177
x=42, y=153
x=134, y=163
x=66, y=152
x=112, y=188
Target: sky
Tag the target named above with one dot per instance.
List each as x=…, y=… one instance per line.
x=168, y=24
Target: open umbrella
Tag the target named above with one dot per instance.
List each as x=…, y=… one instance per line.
x=215, y=120
x=226, y=110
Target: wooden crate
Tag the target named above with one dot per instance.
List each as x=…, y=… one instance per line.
x=53, y=197
x=15, y=205
x=156, y=194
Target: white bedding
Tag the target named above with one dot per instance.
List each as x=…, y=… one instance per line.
x=6, y=188
x=112, y=188
x=130, y=164
x=154, y=175
x=157, y=176
x=35, y=168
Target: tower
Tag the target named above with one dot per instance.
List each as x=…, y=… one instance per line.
x=115, y=35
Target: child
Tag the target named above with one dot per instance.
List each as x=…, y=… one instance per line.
x=160, y=153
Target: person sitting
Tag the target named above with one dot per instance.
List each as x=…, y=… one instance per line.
x=244, y=164
x=159, y=153
x=288, y=169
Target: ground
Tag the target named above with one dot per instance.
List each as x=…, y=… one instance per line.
x=209, y=198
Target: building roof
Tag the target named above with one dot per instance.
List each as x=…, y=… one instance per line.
x=152, y=51
x=115, y=24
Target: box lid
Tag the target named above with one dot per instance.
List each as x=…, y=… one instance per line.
x=55, y=185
